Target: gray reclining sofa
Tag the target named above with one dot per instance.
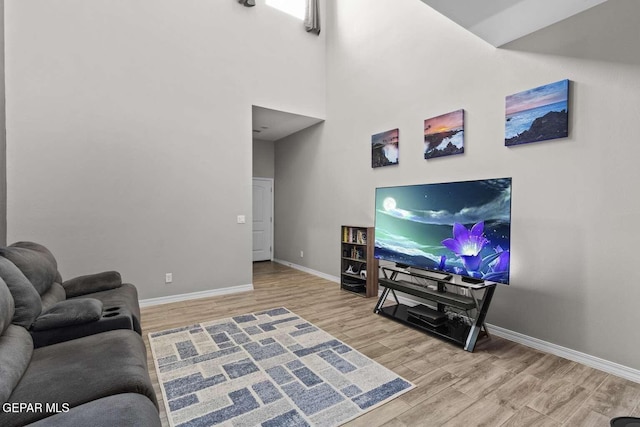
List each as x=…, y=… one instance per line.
x=96, y=380
x=53, y=310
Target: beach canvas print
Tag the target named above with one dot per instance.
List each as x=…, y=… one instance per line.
x=537, y=114
x=384, y=148
x=444, y=135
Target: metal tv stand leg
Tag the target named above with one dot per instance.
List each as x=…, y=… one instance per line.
x=478, y=323
x=381, y=300
x=385, y=293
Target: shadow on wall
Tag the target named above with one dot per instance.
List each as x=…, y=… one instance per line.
x=608, y=32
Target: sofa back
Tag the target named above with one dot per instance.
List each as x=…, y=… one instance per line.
x=16, y=346
x=33, y=264
x=42, y=250
x=40, y=267
x=7, y=308
x=26, y=303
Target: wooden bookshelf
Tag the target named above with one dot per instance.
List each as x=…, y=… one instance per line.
x=358, y=267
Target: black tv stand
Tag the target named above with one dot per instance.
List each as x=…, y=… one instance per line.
x=462, y=330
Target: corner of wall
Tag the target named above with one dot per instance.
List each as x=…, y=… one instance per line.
x=3, y=138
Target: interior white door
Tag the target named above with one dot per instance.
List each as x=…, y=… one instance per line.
x=262, y=219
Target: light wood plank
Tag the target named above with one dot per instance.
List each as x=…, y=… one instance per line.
x=481, y=413
x=559, y=400
x=437, y=410
x=527, y=417
x=616, y=397
x=517, y=392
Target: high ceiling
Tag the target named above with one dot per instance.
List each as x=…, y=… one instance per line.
x=501, y=21
x=561, y=27
x=608, y=32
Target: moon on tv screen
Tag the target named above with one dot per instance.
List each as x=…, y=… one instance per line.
x=389, y=204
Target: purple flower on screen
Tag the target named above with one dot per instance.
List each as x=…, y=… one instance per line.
x=467, y=244
x=443, y=263
x=501, y=263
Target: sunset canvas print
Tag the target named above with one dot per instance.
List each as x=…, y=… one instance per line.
x=384, y=148
x=444, y=135
x=537, y=114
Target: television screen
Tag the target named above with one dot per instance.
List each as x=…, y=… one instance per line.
x=456, y=227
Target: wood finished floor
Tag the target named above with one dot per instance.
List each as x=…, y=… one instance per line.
x=500, y=384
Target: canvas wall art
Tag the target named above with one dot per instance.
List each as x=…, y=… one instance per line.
x=444, y=135
x=384, y=148
x=537, y=114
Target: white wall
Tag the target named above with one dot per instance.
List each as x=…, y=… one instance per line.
x=129, y=131
x=392, y=64
x=263, y=159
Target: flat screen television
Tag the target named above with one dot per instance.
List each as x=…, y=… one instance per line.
x=461, y=228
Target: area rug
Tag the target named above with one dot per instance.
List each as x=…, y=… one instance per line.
x=270, y=368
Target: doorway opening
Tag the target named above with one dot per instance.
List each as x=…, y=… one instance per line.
x=269, y=126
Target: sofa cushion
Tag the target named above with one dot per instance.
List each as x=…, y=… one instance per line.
x=38, y=248
x=89, y=283
x=54, y=295
x=122, y=410
x=34, y=265
x=71, y=312
x=111, y=319
x=94, y=367
x=6, y=306
x=26, y=299
x=16, y=349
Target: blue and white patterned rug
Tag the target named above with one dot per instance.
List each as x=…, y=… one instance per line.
x=271, y=368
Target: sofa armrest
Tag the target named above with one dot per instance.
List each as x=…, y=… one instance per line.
x=91, y=283
x=70, y=312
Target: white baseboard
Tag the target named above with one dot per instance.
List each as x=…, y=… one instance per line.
x=308, y=270
x=195, y=295
x=586, y=359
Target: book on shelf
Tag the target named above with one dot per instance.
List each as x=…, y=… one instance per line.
x=347, y=236
x=354, y=235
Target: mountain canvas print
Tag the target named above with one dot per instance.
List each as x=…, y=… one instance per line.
x=444, y=135
x=537, y=114
x=384, y=148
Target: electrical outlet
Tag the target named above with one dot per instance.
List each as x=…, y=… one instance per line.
x=301, y=254
x=241, y=219
x=168, y=278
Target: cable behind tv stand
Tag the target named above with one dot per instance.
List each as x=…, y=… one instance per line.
x=471, y=298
